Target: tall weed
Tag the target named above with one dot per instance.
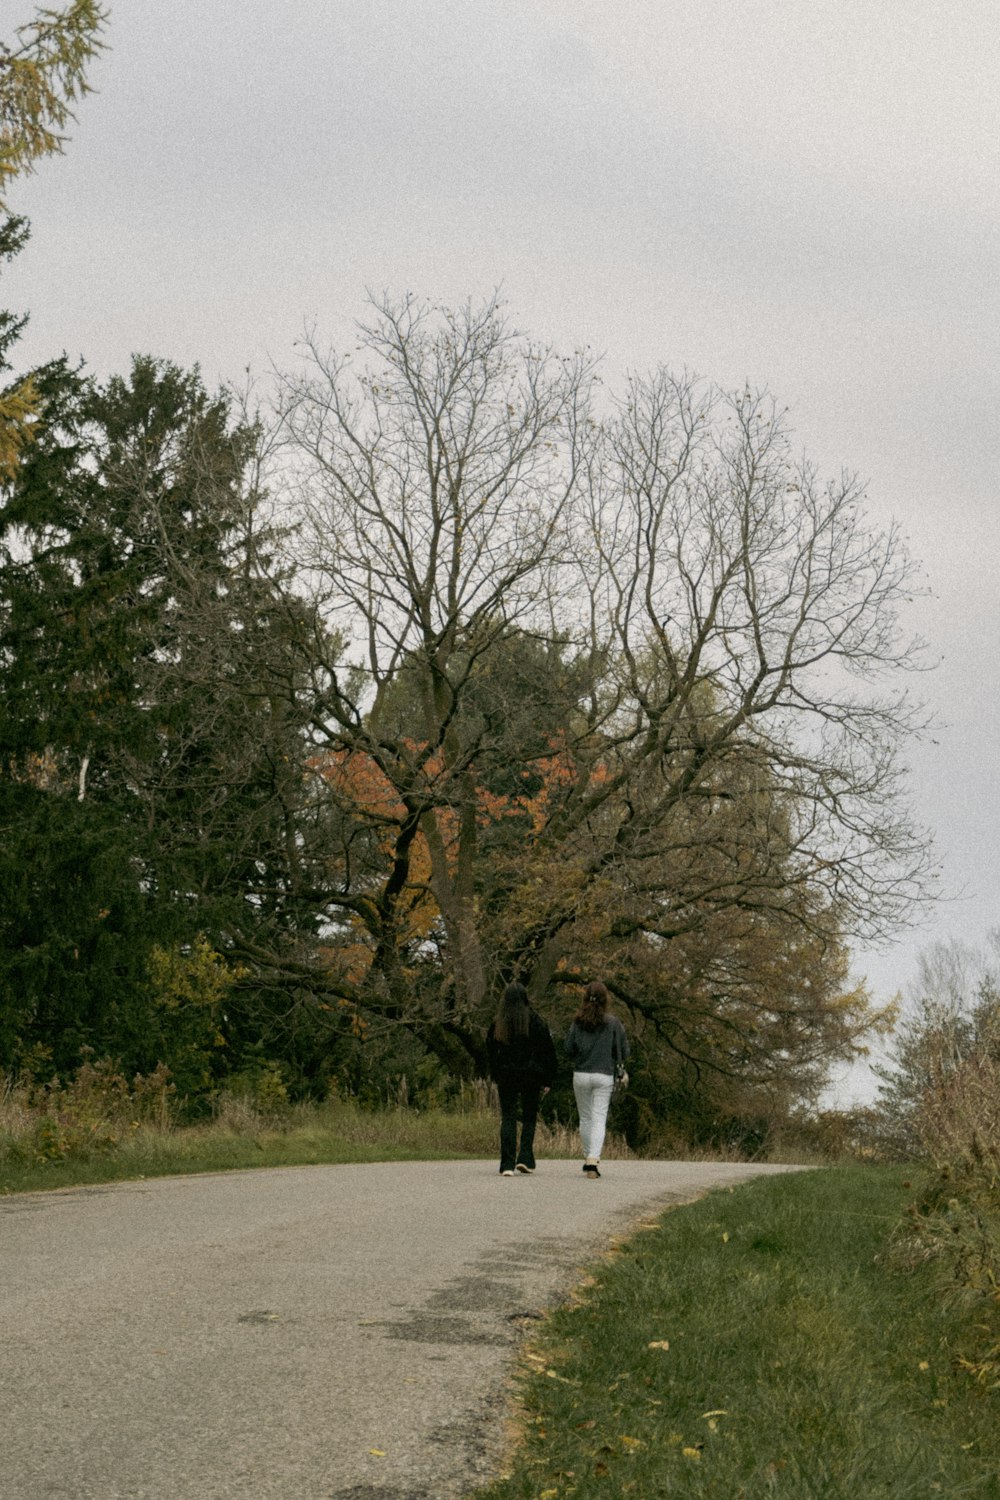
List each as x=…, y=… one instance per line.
x=956, y=1219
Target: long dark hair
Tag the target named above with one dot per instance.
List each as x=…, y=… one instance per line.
x=593, y=1012
x=513, y=1017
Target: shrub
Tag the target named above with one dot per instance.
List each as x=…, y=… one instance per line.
x=257, y=1095
x=89, y=1115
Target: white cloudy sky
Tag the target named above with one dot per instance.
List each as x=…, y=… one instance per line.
x=804, y=194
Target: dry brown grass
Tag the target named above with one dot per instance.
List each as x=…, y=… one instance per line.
x=956, y=1220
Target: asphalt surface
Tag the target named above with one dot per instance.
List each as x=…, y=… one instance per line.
x=308, y=1333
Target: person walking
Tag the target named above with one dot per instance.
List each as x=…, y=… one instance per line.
x=522, y=1061
x=596, y=1045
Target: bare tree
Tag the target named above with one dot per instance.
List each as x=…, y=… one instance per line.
x=436, y=487
x=725, y=770
x=752, y=615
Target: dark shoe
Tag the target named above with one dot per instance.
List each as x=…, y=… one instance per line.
x=590, y=1169
x=522, y=1166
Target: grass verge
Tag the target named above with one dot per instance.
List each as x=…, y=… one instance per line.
x=758, y=1343
x=104, y=1150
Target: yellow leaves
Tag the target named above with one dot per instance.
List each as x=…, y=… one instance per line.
x=658, y=1344
x=725, y=1237
x=632, y=1444
x=18, y=407
x=193, y=974
x=691, y=1452
x=377, y=1452
x=924, y=1365
x=39, y=79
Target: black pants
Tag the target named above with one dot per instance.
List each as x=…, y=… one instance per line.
x=525, y=1092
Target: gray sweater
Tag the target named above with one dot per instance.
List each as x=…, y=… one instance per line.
x=597, y=1051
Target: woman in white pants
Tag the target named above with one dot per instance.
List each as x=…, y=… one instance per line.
x=595, y=1044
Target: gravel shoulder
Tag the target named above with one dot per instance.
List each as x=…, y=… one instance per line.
x=308, y=1333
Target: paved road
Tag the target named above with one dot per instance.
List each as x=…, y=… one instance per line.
x=260, y=1334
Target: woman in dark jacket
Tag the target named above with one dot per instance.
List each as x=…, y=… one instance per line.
x=522, y=1061
x=596, y=1044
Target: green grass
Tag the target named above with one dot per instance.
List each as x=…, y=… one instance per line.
x=800, y=1363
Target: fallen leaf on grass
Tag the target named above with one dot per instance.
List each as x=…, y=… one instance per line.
x=658, y=1344
x=632, y=1444
x=691, y=1452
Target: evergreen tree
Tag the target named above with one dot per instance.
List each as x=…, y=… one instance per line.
x=148, y=695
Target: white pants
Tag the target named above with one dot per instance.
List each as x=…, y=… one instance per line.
x=593, y=1095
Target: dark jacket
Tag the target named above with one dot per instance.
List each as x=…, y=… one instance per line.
x=597, y=1051
x=527, y=1059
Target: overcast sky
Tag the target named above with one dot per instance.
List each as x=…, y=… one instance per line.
x=804, y=194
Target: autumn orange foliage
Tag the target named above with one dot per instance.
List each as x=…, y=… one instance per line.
x=369, y=793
